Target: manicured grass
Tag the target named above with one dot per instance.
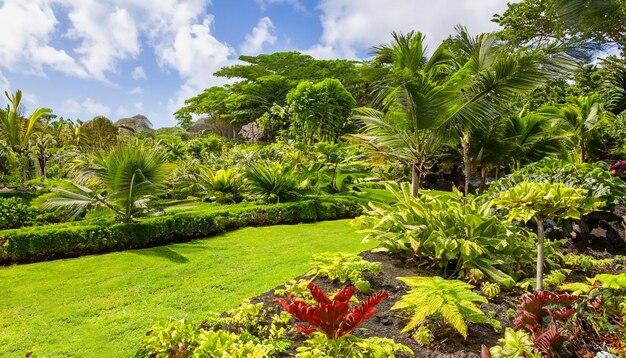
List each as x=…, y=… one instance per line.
x=101, y=306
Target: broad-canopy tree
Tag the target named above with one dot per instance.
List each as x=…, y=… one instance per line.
x=318, y=112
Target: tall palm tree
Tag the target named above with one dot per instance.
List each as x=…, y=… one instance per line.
x=580, y=116
x=15, y=129
x=445, y=95
x=122, y=181
x=411, y=95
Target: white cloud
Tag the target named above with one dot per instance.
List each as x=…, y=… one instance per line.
x=296, y=4
x=260, y=35
x=138, y=106
x=27, y=27
x=88, y=107
x=136, y=90
x=138, y=73
x=350, y=26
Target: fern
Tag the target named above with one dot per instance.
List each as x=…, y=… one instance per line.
x=450, y=300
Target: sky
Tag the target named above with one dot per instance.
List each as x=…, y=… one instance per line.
x=119, y=58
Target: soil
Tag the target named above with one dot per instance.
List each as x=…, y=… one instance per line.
x=606, y=240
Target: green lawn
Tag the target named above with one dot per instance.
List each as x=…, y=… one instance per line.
x=100, y=306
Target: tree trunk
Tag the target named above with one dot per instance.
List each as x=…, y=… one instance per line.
x=540, y=235
x=415, y=180
x=466, y=163
x=42, y=166
x=497, y=173
x=483, y=178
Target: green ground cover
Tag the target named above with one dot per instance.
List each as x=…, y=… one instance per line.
x=100, y=306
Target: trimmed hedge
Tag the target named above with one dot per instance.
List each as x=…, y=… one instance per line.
x=53, y=242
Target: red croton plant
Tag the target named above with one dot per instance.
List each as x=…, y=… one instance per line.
x=334, y=318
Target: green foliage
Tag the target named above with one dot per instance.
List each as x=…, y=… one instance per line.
x=98, y=134
x=344, y=267
x=226, y=184
x=586, y=262
x=490, y=290
x=423, y=336
x=122, y=181
x=546, y=200
x=273, y=181
x=449, y=300
x=15, y=213
x=217, y=344
x=54, y=241
x=595, y=178
x=172, y=339
x=319, y=111
x=296, y=289
x=515, y=344
x=350, y=346
x=442, y=228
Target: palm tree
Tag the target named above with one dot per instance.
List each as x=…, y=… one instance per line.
x=41, y=143
x=16, y=130
x=445, y=96
x=122, y=181
x=580, y=117
x=412, y=95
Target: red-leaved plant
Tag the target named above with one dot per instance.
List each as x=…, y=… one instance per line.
x=542, y=315
x=334, y=318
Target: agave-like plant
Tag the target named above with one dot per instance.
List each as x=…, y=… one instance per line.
x=122, y=181
x=273, y=181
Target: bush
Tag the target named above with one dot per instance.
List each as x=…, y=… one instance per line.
x=15, y=213
x=57, y=241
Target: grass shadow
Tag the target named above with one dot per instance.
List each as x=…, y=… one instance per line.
x=163, y=252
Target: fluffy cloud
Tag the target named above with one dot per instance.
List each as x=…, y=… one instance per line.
x=27, y=27
x=261, y=34
x=350, y=26
x=88, y=106
x=138, y=74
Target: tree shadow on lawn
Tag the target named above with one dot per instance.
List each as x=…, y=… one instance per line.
x=163, y=252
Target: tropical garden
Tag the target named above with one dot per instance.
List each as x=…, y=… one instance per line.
x=456, y=201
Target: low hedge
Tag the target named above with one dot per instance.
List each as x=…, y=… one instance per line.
x=58, y=241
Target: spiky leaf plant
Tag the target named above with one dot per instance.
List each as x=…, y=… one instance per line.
x=451, y=301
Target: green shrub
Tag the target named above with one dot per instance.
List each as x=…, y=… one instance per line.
x=16, y=213
x=273, y=182
x=56, y=241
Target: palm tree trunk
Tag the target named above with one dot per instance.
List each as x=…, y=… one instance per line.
x=466, y=162
x=483, y=178
x=415, y=179
x=540, y=245
x=42, y=166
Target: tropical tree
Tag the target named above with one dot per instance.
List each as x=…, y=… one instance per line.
x=17, y=130
x=580, y=117
x=98, y=134
x=41, y=144
x=121, y=181
x=444, y=95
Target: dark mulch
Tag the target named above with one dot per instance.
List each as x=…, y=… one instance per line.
x=605, y=241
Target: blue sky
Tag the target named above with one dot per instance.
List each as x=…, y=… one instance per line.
x=119, y=58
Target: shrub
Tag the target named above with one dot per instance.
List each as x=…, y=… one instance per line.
x=273, y=181
x=56, y=241
x=225, y=184
x=15, y=213
x=445, y=229
x=344, y=267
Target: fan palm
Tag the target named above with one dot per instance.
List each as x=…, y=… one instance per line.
x=122, y=181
